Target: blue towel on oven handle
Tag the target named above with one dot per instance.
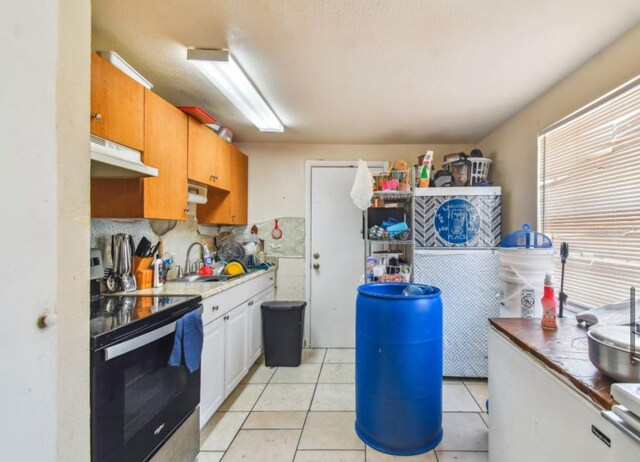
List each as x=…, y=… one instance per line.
x=187, y=344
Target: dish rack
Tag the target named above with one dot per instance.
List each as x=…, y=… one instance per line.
x=245, y=248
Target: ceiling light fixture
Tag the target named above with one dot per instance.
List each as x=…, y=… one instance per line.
x=225, y=73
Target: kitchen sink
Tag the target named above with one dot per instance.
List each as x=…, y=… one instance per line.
x=203, y=278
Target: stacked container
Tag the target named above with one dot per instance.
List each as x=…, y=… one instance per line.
x=525, y=257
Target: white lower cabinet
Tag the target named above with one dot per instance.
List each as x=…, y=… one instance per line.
x=255, y=323
x=232, y=340
x=212, y=369
x=236, y=352
x=535, y=415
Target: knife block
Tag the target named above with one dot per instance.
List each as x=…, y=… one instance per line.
x=144, y=279
x=140, y=264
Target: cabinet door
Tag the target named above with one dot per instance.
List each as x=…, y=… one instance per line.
x=229, y=207
x=165, y=196
x=239, y=186
x=236, y=347
x=255, y=336
x=212, y=370
x=209, y=161
x=117, y=105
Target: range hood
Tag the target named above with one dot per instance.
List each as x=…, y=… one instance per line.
x=113, y=160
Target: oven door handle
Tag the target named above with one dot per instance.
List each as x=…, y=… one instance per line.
x=137, y=342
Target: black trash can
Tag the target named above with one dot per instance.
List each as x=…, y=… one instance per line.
x=282, y=333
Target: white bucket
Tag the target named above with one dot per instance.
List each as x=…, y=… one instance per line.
x=522, y=273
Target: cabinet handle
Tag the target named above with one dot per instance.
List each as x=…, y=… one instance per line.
x=96, y=116
x=187, y=209
x=214, y=308
x=250, y=302
x=226, y=318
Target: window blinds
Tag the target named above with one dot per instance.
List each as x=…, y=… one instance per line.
x=589, y=196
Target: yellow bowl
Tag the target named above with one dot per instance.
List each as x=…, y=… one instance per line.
x=233, y=268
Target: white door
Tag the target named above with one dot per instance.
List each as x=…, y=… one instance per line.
x=337, y=255
x=236, y=347
x=212, y=370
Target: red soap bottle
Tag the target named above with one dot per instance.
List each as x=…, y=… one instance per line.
x=549, y=305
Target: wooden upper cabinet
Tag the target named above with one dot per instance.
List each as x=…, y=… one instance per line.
x=165, y=148
x=209, y=157
x=229, y=208
x=117, y=105
x=239, y=186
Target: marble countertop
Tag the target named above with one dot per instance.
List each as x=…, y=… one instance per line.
x=564, y=350
x=204, y=289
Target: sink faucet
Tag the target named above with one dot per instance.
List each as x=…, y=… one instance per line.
x=187, y=266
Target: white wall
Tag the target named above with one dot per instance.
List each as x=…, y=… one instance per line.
x=44, y=189
x=513, y=146
x=276, y=171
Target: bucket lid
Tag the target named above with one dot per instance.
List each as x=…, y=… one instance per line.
x=526, y=238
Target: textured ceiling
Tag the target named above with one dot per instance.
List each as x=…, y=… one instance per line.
x=366, y=71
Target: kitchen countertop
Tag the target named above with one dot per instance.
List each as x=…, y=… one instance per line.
x=564, y=350
x=204, y=289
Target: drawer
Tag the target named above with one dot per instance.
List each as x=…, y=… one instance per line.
x=222, y=303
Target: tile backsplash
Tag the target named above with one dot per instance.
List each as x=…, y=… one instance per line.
x=178, y=240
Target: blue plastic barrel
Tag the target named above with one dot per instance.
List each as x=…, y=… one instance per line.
x=399, y=368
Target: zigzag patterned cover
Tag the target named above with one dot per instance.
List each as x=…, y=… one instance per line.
x=458, y=221
x=470, y=284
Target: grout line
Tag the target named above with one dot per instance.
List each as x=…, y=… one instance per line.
x=248, y=413
x=474, y=398
x=313, y=395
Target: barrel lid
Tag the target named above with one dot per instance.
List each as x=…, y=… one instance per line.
x=394, y=290
x=618, y=337
x=525, y=238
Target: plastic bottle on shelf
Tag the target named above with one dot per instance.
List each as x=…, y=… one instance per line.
x=549, y=305
x=425, y=172
x=371, y=263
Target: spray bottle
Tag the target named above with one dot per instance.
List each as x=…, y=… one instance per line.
x=549, y=305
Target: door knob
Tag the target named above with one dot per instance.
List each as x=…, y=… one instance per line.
x=48, y=319
x=316, y=266
x=96, y=116
x=316, y=255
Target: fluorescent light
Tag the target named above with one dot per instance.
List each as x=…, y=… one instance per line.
x=223, y=71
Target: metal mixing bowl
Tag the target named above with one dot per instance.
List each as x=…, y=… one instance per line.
x=610, y=350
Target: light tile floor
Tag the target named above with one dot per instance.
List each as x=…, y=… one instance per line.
x=306, y=414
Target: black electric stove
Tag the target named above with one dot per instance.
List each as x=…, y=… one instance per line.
x=115, y=318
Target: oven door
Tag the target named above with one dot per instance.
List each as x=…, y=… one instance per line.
x=137, y=399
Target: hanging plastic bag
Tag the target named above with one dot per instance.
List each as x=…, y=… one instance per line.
x=362, y=190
